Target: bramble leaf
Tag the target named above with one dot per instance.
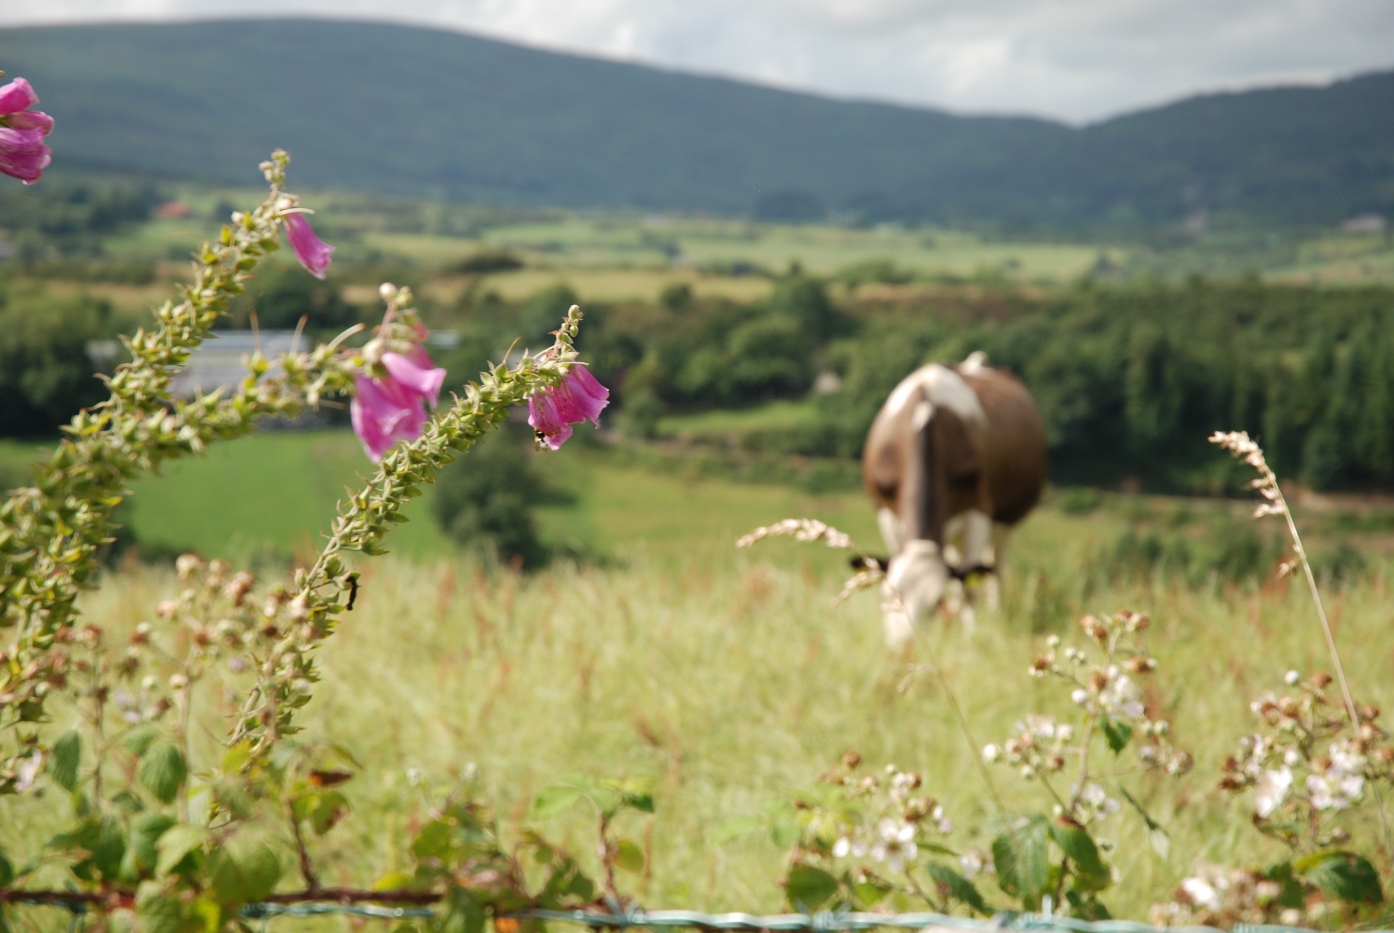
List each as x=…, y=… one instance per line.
x=462, y=913
x=553, y=800
x=809, y=888
x=67, y=755
x=177, y=842
x=1090, y=871
x=1117, y=733
x=244, y=877
x=628, y=856
x=1022, y=861
x=140, y=737
x=433, y=841
x=142, y=852
x=163, y=770
x=1347, y=876
x=958, y=887
x=167, y=913
x=393, y=881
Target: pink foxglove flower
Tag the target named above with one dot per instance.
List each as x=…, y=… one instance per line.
x=385, y=411
x=552, y=411
x=312, y=252
x=23, y=153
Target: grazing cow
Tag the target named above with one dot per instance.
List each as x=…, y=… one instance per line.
x=954, y=458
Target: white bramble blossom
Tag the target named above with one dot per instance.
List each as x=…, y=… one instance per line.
x=1286, y=769
x=1222, y=897
x=1271, y=790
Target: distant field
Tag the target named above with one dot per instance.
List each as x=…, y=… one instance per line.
x=722, y=426
x=285, y=486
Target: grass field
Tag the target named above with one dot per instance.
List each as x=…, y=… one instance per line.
x=727, y=676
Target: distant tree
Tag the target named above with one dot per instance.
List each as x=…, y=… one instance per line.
x=46, y=374
x=484, y=499
x=676, y=297
x=281, y=297
x=488, y=260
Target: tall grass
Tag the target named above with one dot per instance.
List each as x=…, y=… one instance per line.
x=731, y=680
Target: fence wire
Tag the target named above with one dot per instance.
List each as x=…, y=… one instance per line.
x=820, y=922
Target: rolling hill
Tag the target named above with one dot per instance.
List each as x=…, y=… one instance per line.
x=426, y=113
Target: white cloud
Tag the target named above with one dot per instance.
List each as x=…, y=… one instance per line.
x=1072, y=59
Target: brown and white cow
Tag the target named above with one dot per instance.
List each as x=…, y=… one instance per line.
x=954, y=458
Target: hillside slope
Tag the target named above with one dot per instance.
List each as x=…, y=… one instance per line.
x=420, y=112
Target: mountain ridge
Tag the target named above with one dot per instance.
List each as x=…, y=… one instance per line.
x=430, y=113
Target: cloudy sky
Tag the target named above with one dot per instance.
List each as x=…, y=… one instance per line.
x=1077, y=60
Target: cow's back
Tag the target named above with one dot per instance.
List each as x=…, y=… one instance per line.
x=1014, y=454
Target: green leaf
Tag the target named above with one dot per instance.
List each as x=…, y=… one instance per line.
x=393, y=881
x=166, y=913
x=462, y=913
x=162, y=770
x=1022, y=861
x=243, y=877
x=67, y=755
x=1091, y=874
x=785, y=833
x=329, y=809
x=1087, y=907
x=1294, y=893
x=1117, y=733
x=142, y=854
x=957, y=887
x=555, y=799
x=140, y=737
x=433, y=841
x=104, y=843
x=7, y=870
x=635, y=793
x=629, y=856
x=1346, y=876
x=177, y=842
x=871, y=891
x=809, y=888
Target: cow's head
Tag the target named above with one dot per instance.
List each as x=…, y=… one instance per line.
x=915, y=583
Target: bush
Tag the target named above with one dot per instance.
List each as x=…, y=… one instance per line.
x=487, y=260
x=485, y=500
x=281, y=297
x=46, y=375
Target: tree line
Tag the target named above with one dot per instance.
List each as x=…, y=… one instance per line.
x=1130, y=379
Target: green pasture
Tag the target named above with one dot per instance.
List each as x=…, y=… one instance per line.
x=728, y=426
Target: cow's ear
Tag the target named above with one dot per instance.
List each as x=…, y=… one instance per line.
x=955, y=447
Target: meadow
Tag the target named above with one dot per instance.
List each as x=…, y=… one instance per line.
x=725, y=675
